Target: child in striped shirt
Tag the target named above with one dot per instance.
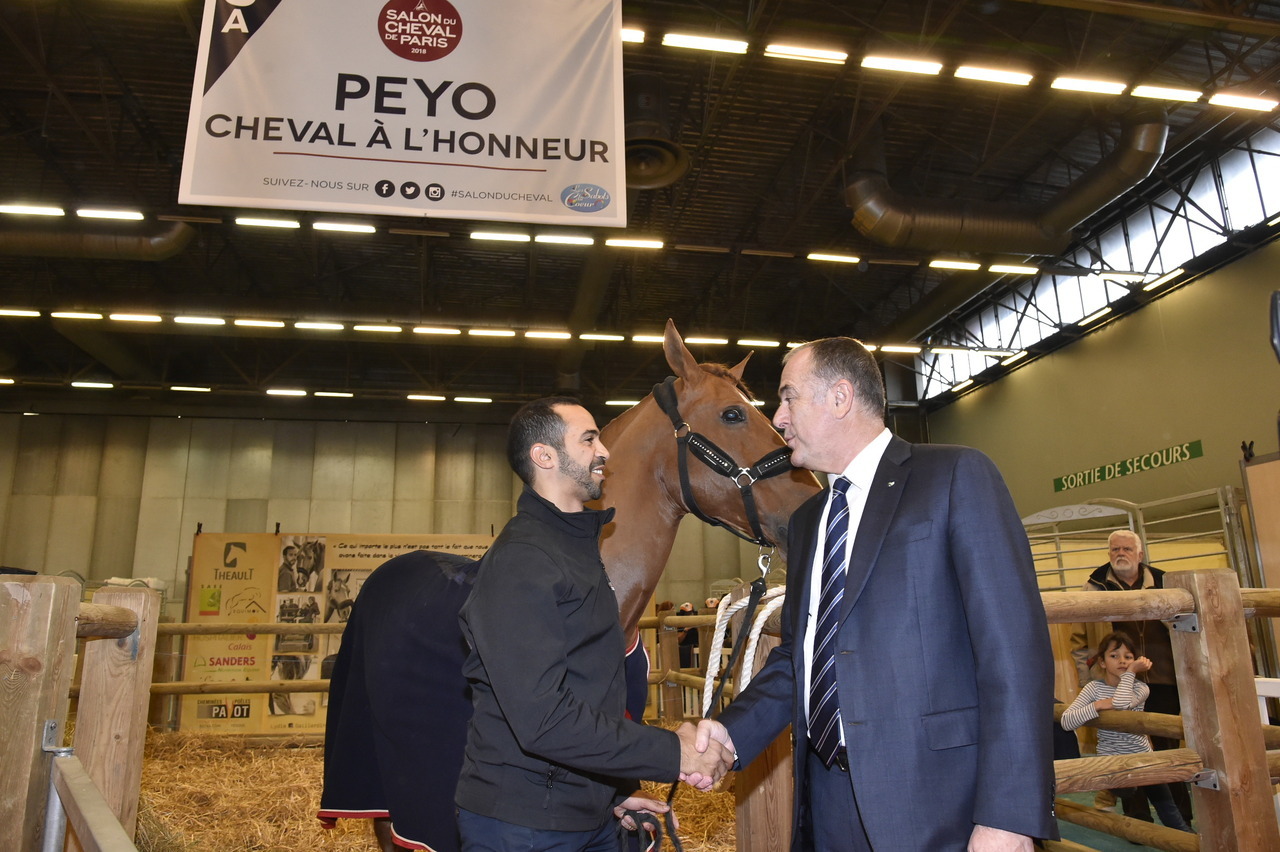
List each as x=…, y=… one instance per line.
x=1120, y=689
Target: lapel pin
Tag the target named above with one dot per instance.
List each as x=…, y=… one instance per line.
x=892, y=483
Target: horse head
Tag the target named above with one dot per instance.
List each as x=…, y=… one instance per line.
x=735, y=472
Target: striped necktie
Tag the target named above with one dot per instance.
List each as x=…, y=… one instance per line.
x=824, y=701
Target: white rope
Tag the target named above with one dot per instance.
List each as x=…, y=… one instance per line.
x=749, y=661
x=724, y=611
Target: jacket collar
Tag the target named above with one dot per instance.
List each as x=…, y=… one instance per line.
x=585, y=524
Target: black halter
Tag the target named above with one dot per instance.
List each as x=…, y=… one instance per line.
x=774, y=463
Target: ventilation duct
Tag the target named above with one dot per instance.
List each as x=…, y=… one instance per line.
x=99, y=246
x=653, y=160
x=893, y=219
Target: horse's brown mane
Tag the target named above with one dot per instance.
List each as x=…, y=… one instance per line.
x=722, y=371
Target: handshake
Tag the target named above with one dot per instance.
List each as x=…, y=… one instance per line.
x=706, y=753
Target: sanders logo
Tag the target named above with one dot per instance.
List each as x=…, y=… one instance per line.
x=585, y=197
x=421, y=30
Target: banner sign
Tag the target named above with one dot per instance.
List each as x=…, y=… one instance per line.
x=259, y=578
x=444, y=108
x=1136, y=464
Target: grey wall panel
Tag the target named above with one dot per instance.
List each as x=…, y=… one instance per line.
x=415, y=462
x=168, y=447
x=371, y=517
x=80, y=456
x=210, y=458
x=71, y=526
x=455, y=480
x=413, y=517
x=124, y=457
x=27, y=533
x=330, y=516
x=375, y=464
x=292, y=515
x=159, y=540
x=292, y=460
x=333, y=473
x=249, y=474
x=115, y=531
x=39, y=440
x=247, y=515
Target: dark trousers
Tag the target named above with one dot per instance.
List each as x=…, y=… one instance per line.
x=829, y=820
x=1163, y=699
x=1159, y=796
x=486, y=834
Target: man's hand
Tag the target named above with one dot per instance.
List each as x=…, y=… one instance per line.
x=645, y=806
x=987, y=839
x=701, y=767
x=708, y=730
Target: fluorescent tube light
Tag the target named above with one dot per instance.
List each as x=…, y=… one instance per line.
x=92, y=213
x=1082, y=84
x=806, y=54
x=622, y=402
x=954, y=264
x=647, y=338
x=549, y=335
x=335, y=394
x=344, y=227
x=893, y=63
x=381, y=329
x=472, y=399
x=501, y=236
x=491, y=332
x=961, y=385
x=433, y=329
x=319, y=326
x=1165, y=93
x=259, y=323
x=1017, y=356
x=99, y=385
x=135, y=317
x=189, y=389
x=694, y=42
x=948, y=350
x=267, y=223
x=425, y=397
x=630, y=35
x=286, y=392
x=834, y=258
x=75, y=315
x=870, y=347
x=1095, y=316
x=634, y=243
x=1013, y=269
x=564, y=240
x=6, y=381
x=751, y=341
x=1164, y=279
x=200, y=320
x=18, y=312
x=707, y=341
x=31, y=210
x=592, y=335
x=993, y=75
x=906, y=350
x=1243, y=102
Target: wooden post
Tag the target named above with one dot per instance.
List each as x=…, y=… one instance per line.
x=763, y=789
x=111, y=717
x=1220, y=717
x=669, y=660
x=37, y=650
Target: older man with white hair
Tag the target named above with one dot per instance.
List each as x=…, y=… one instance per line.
x=1126, y=571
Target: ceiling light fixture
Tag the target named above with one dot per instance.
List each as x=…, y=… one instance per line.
x=948, y=350
x=549, y=335
x=425, y=397
x=286, y=392
x=751, y=341
x=630, y=35
x=707, y=341
x=18, y=312
x=1017, y=356
x=135, y=317
x=905, y=350
x=1165, y=93
x=344, y=227
x=1094, y=317
x=491, y=332
x=380, y=329
x=833, y=258
x=93, y=213
x=765, y=253
x=6, y=381
x=189, y=389
x=1122, y=277
x=634, y=243
x=200, y=320
x=703, y=249
x=895, y=63
x=31, y=210
x=1243, y=102
x=647, y=338
x=993, y=75
x=1084, y=84
x=967, y=265
x=259, y=323
x=433, y=329
x=806, y=54
x=959, y=386
x=870, y=347
x=335, y=394
x=595, y=335
x=75, y=315
x=626, y=403
x=1013, y=269
x=320, y=326
x=97, y=385
x=564, y=240
x=472, y=399
x=1164, y=279
x=254, y=222
x=694, y=42
x=501, y=236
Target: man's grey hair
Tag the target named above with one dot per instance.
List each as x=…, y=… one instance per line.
x=836, y=358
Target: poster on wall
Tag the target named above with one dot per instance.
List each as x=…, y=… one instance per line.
x=263, y=578
x=442, y=108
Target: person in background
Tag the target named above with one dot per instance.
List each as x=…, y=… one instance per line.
x=1119, y=689
x=687, y=637
x=551, y=759
x=1125, y=571
x=915, y=669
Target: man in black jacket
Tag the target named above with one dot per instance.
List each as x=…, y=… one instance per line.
x=550, y=756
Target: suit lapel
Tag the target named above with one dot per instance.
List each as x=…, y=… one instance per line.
x=886, y=491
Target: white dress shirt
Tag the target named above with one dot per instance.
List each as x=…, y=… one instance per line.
x=860, y=473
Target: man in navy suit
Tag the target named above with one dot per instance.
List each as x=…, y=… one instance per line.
x=939, y=720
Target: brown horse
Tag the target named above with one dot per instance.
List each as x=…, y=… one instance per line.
x=643, y=479
x=398, y=704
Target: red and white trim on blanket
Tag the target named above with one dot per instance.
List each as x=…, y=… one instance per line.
x=329, y=818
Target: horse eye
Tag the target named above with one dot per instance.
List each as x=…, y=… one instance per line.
x=733, y=415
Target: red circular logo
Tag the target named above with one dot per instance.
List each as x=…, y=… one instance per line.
x=421, y=30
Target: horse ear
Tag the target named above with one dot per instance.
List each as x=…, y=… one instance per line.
x=679, y=358
x=739, y=367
